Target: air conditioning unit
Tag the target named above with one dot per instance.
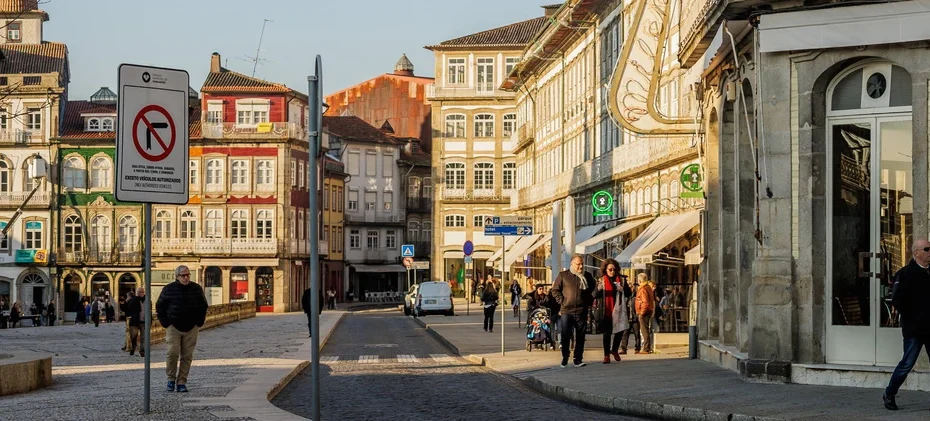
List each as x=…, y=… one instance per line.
x=21, y=137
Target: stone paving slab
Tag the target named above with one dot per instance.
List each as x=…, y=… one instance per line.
x=237, y=367
x=665, y=385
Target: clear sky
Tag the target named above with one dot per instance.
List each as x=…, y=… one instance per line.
x=358, y=39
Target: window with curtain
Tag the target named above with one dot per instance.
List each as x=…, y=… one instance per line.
x=263, y=224
x=101, y=232
x=162, y=224
x=128, y=234
x=101, y=173
x=73, y=235
x=239, y=224
x=188, y=224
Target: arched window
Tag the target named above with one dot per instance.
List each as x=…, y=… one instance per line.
x=484, y=125
x=509, y=175
x=455, y=125
x=74, y=173
x=214, y=224
x=128, y=234
x=6, y=176
x=413, y=231
x=74, y=234
x=162, y=224
x=426, y=231
x=264, y=224
x=413, y=187
x=510, y=125
x=427, y=187
x=100, y=232
x=484, y=176
x=215, y=175
x=673, y=193
x=100, y=173
x=455, y=176
x=93, y=124
x=239, y=224
x=455, y=221
x=188, y=224
x=107, y=125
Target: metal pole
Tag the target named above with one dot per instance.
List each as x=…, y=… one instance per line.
x=316, y=123
x=503, y=275
x=147, y=217
x=692, y=324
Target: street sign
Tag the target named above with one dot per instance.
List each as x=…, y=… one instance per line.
x=468, y=259
x=408, y=262
x=512, y=220
x=421, y=265
x=406, y=250
x=508, y=230
x=603, y=203
x=692, y=182
x=152, y=145
x=468, y=247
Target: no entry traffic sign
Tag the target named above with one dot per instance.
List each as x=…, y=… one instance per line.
x=152, y=138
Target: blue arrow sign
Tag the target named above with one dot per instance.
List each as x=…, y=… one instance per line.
x=406, y=250
x=508, y=230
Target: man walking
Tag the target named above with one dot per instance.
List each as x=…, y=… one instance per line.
x=911, y=297
x=182, y=310
x=306, y=303
x=135, y=318
x=574, y=291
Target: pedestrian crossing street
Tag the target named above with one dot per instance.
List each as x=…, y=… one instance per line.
x=398, y=359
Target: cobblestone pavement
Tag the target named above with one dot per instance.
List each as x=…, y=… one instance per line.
x=386, y=367
x=93, y=379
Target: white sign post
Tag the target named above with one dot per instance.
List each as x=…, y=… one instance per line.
x=152, y=156
x=503, y=226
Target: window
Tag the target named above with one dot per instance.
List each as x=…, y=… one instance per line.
x=100, y=173
x=214, y=224
x=479, y=221
x=355, y=239
x=337, y=200
x=93, y=124
x=427, y=232
x=264, y=221
x=353, y=166
x=370, y=199
x=106, y=125
x=413, y=187
x=264, y=176
x=34, y=235
x=291, y=224
x=302, y=178
x=293, y=172
x=5, y=241
x=484, y=125
x=162, y=224
x=215, y=175
x=456, y=71
x=390, y=239
x=509, y=64
x=194, y=172
x=101, y=232
x=240, y=175
x=239, y=224
x=353, y=200
x=413, y=231
x=510, y=124
x=372, y=240
x=34, y=119
x=371, y=164
x=455, y=125
x=6, y=175
x=388, y=201
x=14, y=32
x=74, y=173
x=455, y=221
x=301, y=228
x=214, y=112
x=339, y=240
x=484, y=176
x=73, y=235
x=427, y=187
x=188, y=224
x=485, y=74
x=387, y=165
x=252, y=112
x=3, y=118
x=326, y=197
x=455, y=175
x=510, y=174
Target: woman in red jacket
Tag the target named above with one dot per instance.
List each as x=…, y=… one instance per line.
x=612, y=294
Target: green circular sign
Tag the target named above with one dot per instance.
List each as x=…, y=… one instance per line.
x=691, y=179
x=603, y=202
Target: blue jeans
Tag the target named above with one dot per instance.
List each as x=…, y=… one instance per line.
x=912, y=346
x=573, y=323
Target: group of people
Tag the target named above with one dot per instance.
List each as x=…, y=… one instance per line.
x=13, y=315
x=97, y=310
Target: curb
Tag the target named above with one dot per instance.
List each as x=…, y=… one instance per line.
x=284, y=381
x=445, y=342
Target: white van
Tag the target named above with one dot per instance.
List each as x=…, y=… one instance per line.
x=434, y=298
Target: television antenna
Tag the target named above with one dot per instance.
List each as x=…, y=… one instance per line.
x=257, y=58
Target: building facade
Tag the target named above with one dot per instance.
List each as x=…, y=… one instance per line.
x=474, y=169
x=332, y=235
x=34, y=76
x=417, y=185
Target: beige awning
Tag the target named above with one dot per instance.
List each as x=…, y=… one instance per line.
x=596, y=242
x=520, y=254
x=693, y=256
x=517, y=246
x=662, y=232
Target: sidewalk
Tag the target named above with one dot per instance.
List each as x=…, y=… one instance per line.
x=664, y=386
x=237, y=369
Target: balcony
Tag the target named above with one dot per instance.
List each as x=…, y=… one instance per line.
x=98, y=257
x=419, y=204
x=621, y=162
x=490, y=196
x=299, y=247
x=372, y=217
x=434, y=92
x=281, y=131
x=216, y=246
x=41, y=199
x=526, y=135
x=21, y=137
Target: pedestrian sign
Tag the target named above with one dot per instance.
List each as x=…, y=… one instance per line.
x=152, y=135
x=406, y=250
x=603, y=203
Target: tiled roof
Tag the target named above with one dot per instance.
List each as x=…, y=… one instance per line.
x=355, y=129
x=514, y=35
x=18, y=6
x=72, y=125
x=47, y=57
x=416, y=158
x=229, y=81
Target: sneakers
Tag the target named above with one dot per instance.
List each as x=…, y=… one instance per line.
x=171, y=386
x=889, y=402
x=579, y=364
x=616, y=356
x=182, y=388
x=564, y=362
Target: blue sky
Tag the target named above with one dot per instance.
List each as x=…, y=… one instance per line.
x=358, y=39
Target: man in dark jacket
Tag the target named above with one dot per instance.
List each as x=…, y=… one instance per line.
x=911, y=297
x=306, y=304
x=182, y=310
x=135, y=319
x=573, y=289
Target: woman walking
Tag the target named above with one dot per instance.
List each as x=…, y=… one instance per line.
x=515, y=293
x=489, y=299
x=612, y=294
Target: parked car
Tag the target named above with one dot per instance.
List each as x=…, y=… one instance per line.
x=433, y=298
x=410, y=298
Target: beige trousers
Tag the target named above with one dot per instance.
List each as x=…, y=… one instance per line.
x=180, y=347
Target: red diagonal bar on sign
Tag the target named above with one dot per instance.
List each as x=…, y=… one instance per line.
x=154, y=133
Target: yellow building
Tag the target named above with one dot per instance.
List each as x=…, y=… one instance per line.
x=331, y=233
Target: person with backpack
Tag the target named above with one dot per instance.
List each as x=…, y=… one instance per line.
x=645, y=310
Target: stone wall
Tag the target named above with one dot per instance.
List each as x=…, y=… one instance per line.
x=217, y=315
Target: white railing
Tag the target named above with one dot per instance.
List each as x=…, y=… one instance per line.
x=253, y=131
x=100, y=256
x=21, y=137
x=373, y=217
x=244, y=246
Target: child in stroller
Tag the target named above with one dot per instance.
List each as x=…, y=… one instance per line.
x=539, y=330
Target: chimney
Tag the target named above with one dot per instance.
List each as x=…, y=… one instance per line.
x=215, y=63
x=551, y=9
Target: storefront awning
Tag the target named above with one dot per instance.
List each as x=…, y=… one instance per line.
x=693, y=256
x=378, y=268
x=596, y=242
x=583, y=234
x=512, y=246
x=519, y=254
x=662, y=232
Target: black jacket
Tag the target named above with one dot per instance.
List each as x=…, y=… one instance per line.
x=567, y=292
x=911, y=297
x=134, y=311
x=305, y=301
x=181, y=306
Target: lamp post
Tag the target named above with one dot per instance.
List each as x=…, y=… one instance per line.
x=315, y=128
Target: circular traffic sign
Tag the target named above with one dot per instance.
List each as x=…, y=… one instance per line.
x=153, y=122
x=468, y=248
x=691, y=179
x=602, y=201
x=408, y=262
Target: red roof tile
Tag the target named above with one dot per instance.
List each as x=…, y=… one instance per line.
x=16, y=6
x=47, y=57
x=355, y=129
x=229, y=81
x=514, y=35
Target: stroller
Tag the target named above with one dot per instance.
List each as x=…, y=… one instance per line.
x=539, y=330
